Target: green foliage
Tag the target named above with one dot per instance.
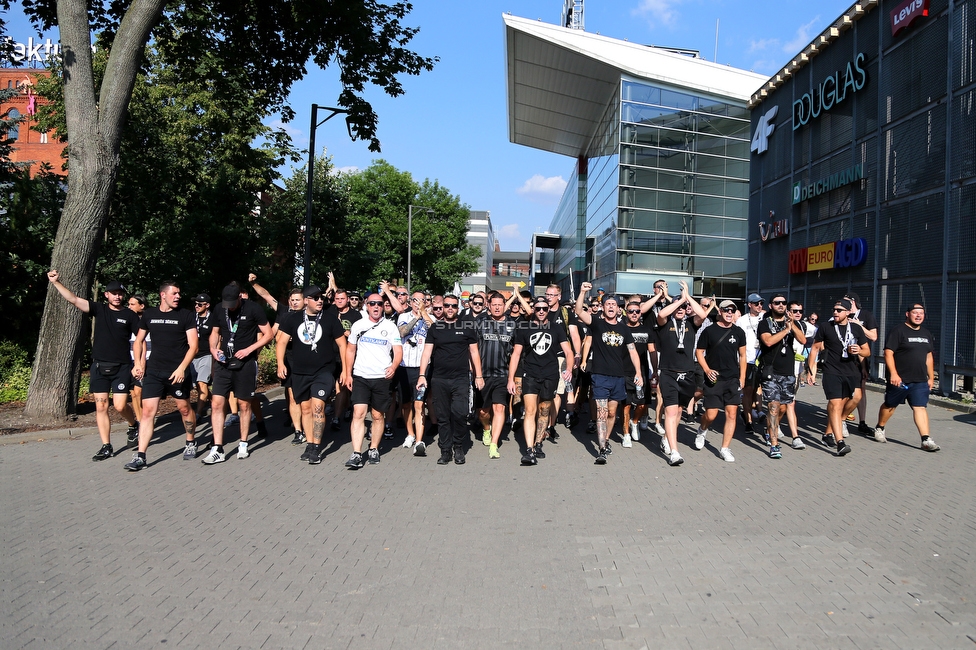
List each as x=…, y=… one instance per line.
x=267, y=365
x=14, y=372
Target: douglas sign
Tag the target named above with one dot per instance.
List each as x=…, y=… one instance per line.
x=830, y=92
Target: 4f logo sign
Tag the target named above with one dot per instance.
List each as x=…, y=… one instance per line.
x=760, y=139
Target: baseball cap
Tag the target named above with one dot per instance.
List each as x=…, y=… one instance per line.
x=727, y=303
x=229, y=296
x=202, y=297
x=844, y=303
x=754, y=297
x=312, y=290
x=114, y=286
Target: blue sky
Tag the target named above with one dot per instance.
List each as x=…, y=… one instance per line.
x=451, y=123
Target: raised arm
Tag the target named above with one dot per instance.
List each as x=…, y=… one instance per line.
x=261, y=291
x=66, y=293
x=584, y=316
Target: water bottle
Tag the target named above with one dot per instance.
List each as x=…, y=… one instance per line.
x=221, y=357
x=640, y=391
x=420, y=393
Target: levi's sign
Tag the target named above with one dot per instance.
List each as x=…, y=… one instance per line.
x=842, y=254
x=830, y=92
x=905, y=14
x=840, y=179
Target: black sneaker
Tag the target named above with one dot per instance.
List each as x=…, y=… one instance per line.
x=748, y=427
x=335, y=424
x=591, y=427
x=355, y=461
x=388, y=432
x=528, y=458
x=843, y=449
x=552, y=434
x=137, y=463
x=262, y=430
x=445, y=457
x=537, y=450
x=828, y=440
x=132, y=436
x=369, y=434
x=601, y=458
x=374, y=456
x=865, y=429
x=459, y=457
x=103, y=453
x=307, y=453
x=315, y=456
x=573, y=420
x=420, y=449
x=299, y=439
x=607, y=449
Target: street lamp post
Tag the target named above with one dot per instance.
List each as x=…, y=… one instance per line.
x=307, y=258
x=410, y=238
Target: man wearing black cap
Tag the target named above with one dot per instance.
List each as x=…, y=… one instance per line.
x=777, y=333
x=749, y=322
x=869, y=324
x=202, y=366
x=843, y=344
x=721, y=353
x=909, y=358
x=111, y=369
x=242, y=330
x=315, y=335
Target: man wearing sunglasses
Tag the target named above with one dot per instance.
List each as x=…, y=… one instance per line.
x=202, y=366
x=843, y=345
x=721, y=353
x=536, y=343
x=777, y=334
x=373, y=352
x=451, y=345
x=612, y=344
x=869, y=324
x=637, y=400
x=315, y=334
x=413, y=327
x=396, y=296
x=749, y=322
x=495, y=342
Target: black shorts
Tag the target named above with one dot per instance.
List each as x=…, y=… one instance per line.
x=632, y=398
x=699, y=377
x=320, y=386
x=840, y=386
x=243, y=382
x=677, y=388
x=495, y=391
x=544, y=388
x=153, y=387
x=752, y=375
x=104, y=377
x=287, y=382
x=724, y=392
x=406, y=383
x=375, y=393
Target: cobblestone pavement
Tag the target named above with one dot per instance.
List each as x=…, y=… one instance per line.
x=873, y=550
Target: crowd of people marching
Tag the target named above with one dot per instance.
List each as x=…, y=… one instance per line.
x=442, y=366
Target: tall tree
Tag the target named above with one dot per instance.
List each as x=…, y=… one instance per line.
x=364, y=38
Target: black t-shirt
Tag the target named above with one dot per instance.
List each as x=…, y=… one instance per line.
x=609, y=347
x=721, y=346
x=832, y=358
x=113, y=329
x=868, y=321
x=346, y=318
x=168, y=330
x=673, y=357
x=780, y=356
x=911, y=349
x=495, y=345
x=540, y=348
x=450, y=356
x=313, y=339
x=243, y=325
x=643, y=336
x=204, y=326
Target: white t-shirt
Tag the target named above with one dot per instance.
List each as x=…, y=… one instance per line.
x=417, y=336
x=749, y=325
x=374, y=347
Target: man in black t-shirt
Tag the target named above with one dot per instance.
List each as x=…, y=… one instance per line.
x=202, y=367
x=563, y=317
x=495, y=344
x=843, y=345
x=347, y=315
x=776, y=333
x=869, y=324
x=637, y=400
x=242, y=330
x=677, y=323
x=449, y=346
x=722, y=354
x=315, y=334
x=537, y=343
x=174, y=337
x=111, y=369
x=612, y=344
x=909, y=356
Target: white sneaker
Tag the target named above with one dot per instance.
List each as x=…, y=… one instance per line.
x=675, y=458
x=627, y=443
x=929, y=445
x=408, y=443
x=879, y=434
x=665, y=447
x=242, y=450
x=798, y=444
x=213, y=457
x=700, y=439
x=634, y=431
x=659, y=428
x=726, y=455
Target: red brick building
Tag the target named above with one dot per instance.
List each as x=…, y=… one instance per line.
x=29, y=146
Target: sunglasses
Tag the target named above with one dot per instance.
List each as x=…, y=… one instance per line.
x=437, y=307
x=796, y=311
x=552, y=295
x=477, y=304
x=451, y=305
x=401, y=293
x=315, y=298
x=541, y=309
x=202, y=304
x=633, y=311
x=778, y=302
x=837, y=310
x=374, y=303
x=729, y=310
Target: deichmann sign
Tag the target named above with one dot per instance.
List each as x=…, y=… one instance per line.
x=906, y=13
x=840, y=179
x=842, y=254
x=829, y=92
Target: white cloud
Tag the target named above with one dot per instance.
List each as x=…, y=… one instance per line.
x=802, y=38
x=296, y=134
x=349, y=169
x=762, y=44
x=661, y=12
x=541, y=189
x=508, y=231
x=766, y=66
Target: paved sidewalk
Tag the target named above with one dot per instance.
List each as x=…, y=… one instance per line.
x=874, y=550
